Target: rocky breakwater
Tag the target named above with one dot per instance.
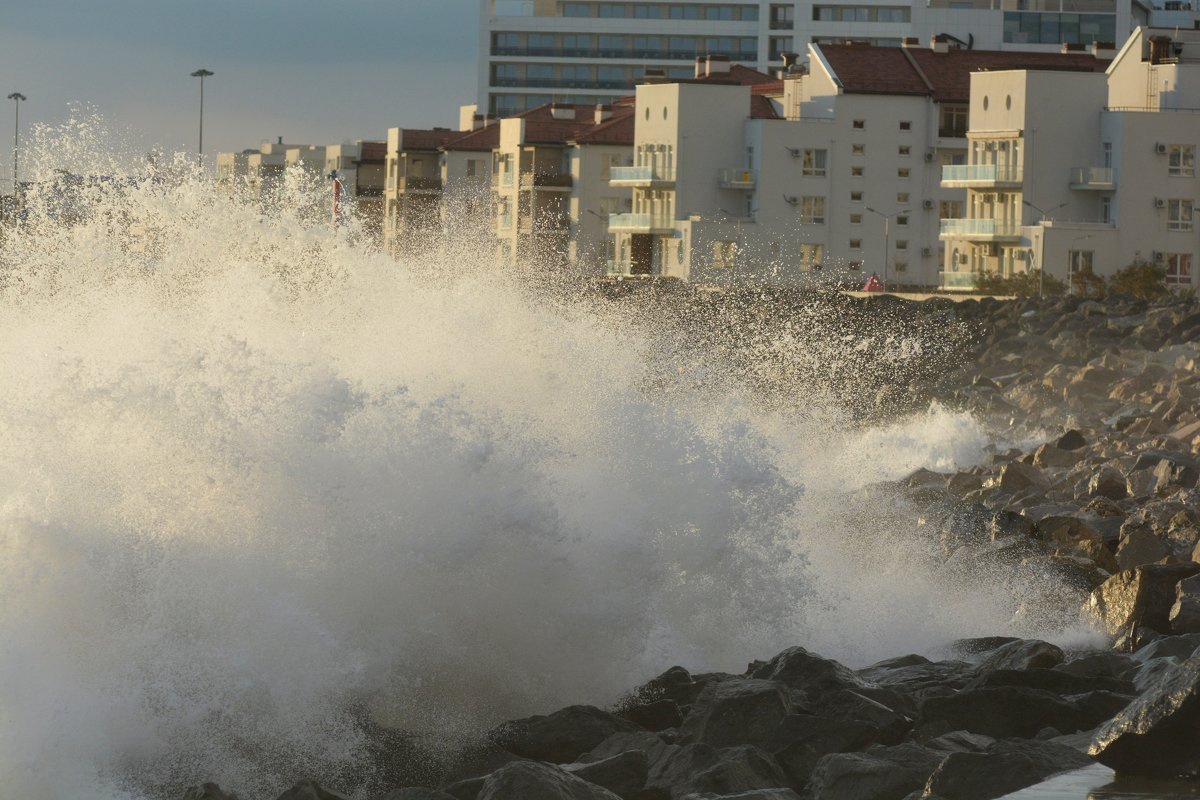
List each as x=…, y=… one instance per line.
x=1102, y=501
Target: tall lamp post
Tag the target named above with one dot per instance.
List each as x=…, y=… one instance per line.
x=1041, y=250
x=887, y=236
x=201, y=74
x=16, y=97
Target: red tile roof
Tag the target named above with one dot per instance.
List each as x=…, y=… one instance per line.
x=617, y=130
x=432, y=139
x=373, y=152
x=946, y=77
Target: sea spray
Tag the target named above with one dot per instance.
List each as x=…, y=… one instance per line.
x=258, y=480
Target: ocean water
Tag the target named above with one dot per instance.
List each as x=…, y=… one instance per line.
x=259, y=482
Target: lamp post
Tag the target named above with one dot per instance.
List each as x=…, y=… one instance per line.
x=1042, y=249
x=16, y=97
x=887, y=236
x=201, y=74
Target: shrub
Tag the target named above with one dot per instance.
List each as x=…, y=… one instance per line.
x=1086, y=283
x=1142, y=279
x=1024, y=284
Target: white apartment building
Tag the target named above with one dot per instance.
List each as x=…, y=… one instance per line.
x=1071, y=172
x=533, y=52
x=413, y=187
x=836, y=167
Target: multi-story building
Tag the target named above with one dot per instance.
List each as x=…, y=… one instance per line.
x=1074, y=172
x=413, y=188
x=359, y=169
x=739, y=177
x=533, y=52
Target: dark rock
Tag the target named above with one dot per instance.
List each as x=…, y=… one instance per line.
x=920, y=680
x=890, y=725
x=1108, y=482
x=743, y=711
x=1180, y=648
x=1071, y=440
x=1049, y=455
x=467, y=789
x=1052, y=681
x=1101, y=664
x=560, y=737
x=1012, y=712
x=1139, y=548
x=881, y=773
x=1159, y=732
x=1022, y=654
x=675, y=684
x=658, y=715
x=1139, y=598
x=1006, y=766
x=529, y=780
x=642, y=741
x=1185, y=613
x=208, y=791
x=310, y=790
x=807, y=672
x=755, y=794
x=966, y=648
x=1016, y=476
x=701, y=768
x=624, y=775
x=802, y=739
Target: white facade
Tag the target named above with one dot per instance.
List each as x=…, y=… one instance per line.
x=532, y=52
x=1083, y=172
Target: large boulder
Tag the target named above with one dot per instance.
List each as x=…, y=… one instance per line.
x=1139, y=598
x=1014, y=712
x=1159, y=732
x=1108, y=481
x=1017, y=476
x=417, y=793
x=743, y=711
x=1185, y=612
x=624, y=774
x=1006, y=766
x=529, y=780
x=310, y=790
x=697, y=768
x=754, y=794
x=1022, y=654
x=807, y=672
x=1140, y=547
x=560, y=737
x=881, y=773
x=802, y=739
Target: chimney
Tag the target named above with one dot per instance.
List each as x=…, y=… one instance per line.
x=654, y=75
x=939, y=44
x=1104, y=50
x=603, y=113
x=716, y=65
x=279, y=140
x=562, y=112
x=700, y=68
x=910, y=41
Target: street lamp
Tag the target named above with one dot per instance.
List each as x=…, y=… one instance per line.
x=887, y=235
x=16, y=97
x=1042, y=249
x=201, y=74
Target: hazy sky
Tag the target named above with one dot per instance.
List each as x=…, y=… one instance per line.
x=307, y=70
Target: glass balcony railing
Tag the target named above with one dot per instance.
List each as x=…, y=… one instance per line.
x=620, y=266
x=979, y=228
x=958, y=280
x=735, y=179
x=645, y=174
x=1093, y=177
x=981, y=173
x=639, y=222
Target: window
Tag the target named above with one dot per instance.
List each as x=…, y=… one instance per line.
x=902, y=172
x=856, y=172
x=950, y=209
x=859, y=124
x=1179, y=215
x=856, y=219
x=858, y=149
x=900, y=266
x=812, y=162
x=1079, y=261
x=902, y=244
x=905, y=125
x=902, y=221
x=724, y=254
x=904, y=151
x=576, y=10
x=812, y=210
x=1181, y=160
x=612, y=10
x=856, y=244
x=902, y=197
x=685, y=12
x=1179, y=269
x=953, y=122
x=856, y=197
x=811, y=255
x=1106, y=209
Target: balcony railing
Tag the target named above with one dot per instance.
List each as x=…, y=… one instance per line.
x=958, y=280
x=981, y=173
x=1098, y=178
x=637, y=54
x=560, y=83
x=735, y=179
x=953, y=132
x=546, y=180
x=645, y=174
x=640, y=223
x=620, y=266
x=979, y=228
x=413, y=183
x=782, y=25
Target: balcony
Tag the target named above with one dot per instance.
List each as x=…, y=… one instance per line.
x=1096, y=179
x=987, y=230
x=546, y=180
x=736, y=179
x=626, y=53
x=546, y=223
x=411, y=183
x=620, y=267
x=643, y=177
x=982, y=176
x=640, y=223
x=960, y=281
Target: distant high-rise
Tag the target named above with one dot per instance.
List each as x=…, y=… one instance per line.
x=532, y=52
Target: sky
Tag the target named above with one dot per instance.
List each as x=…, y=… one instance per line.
x=309, y=71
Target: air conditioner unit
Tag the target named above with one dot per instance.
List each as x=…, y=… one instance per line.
x=926, y=251
x=1158, y=257
x=929, y=154
x=928, y=204
x=1160, y=203
x=1160, y=148
x=791, y=200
